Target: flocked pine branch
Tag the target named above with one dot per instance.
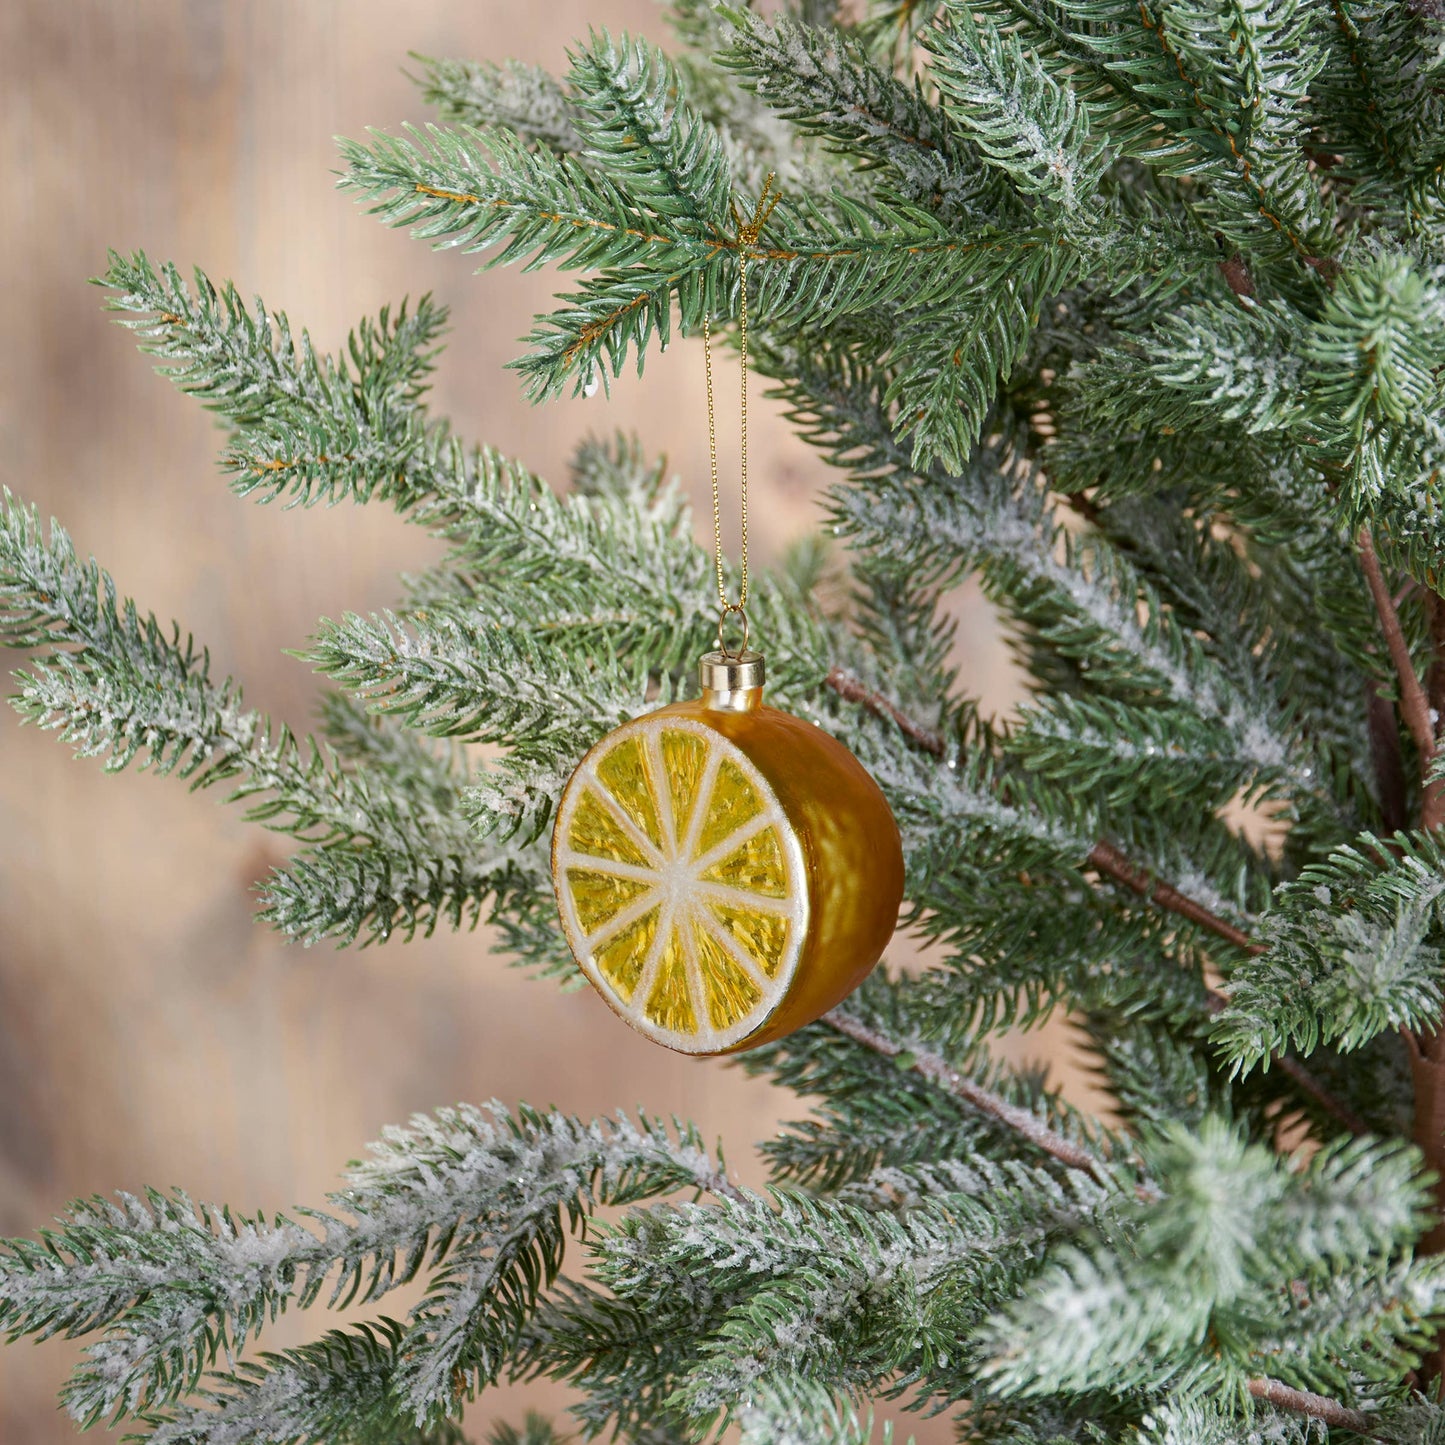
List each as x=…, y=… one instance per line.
x=523, y=99
x=122, y=687
x=480, y=1203
x=1232, y=1228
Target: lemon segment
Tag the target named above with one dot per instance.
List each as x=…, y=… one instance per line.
x=732, y=992
x=684, y=757
x=734, y=802
x=601, y=896
x=624, y=773
x=669, y=1005
x=681, y=883
x=763, y=937
x=596, y=831
x=754, y=866
x=621, y=960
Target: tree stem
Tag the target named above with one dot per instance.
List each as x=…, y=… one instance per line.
x=1316, y=1407
x=850, y=689
x=941, y=1072
x=1414, y=705
x=1384, y=734
x=1306, y=1083
x=1420, y=711
x=1105, y=857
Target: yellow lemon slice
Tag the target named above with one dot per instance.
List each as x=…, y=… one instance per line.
x=681, y=883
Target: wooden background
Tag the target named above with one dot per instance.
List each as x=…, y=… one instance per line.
x=150, y=1031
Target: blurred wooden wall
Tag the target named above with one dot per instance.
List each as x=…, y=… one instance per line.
x=150, y=1031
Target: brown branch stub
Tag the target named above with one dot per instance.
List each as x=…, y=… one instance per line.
x=1107, y=859
x=1084, y=506
x=717, y=1183
x=1236, y=276
x=939, y=1071
x=1316, y=1407
x=1384, y=735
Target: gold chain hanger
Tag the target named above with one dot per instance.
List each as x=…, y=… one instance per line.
x=748, y=232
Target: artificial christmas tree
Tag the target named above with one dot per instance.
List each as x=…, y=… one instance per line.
x=1137, y=313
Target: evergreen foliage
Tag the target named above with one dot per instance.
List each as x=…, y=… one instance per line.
x=1135, y=313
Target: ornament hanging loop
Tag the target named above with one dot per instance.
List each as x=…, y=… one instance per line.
x=742, y=615
x=749, y=229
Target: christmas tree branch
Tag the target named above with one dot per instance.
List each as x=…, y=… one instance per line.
x=825, y=83
x=1226, y=714
x=1303, y=1080
x=1232, y=1233
x=388, y=841
x=1107, y=859
x=482, y=1197
x=939, y=1071
x=523, y=99
x=336, y=1388
x=1104, y=856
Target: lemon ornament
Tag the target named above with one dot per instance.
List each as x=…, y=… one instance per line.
x=725, y=872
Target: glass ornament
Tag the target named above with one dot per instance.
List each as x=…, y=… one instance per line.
x=725, y=872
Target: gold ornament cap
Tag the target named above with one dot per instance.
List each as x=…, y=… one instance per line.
x=731, y=681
